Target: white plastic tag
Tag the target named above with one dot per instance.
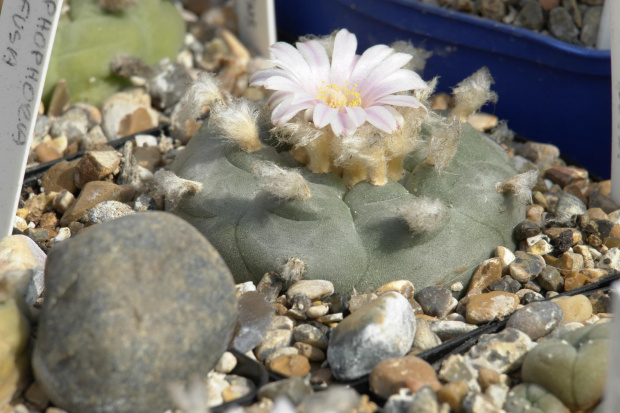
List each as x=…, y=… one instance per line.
x=27, y=30
x=257, y=24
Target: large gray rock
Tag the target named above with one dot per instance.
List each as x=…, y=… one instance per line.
x=131, y=305
x=382, y=329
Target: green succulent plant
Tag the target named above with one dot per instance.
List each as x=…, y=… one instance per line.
x=89, y=37
x=409, y=194
x=353, y=237
x=572, y=367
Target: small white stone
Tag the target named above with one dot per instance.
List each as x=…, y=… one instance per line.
x=145, y=140
x=63, y=234
x=610, y=260
x=245, y=287
x=226, y=363
x=20, y=223
x=456, y=287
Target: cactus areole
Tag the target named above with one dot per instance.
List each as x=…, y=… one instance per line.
x=358, y=179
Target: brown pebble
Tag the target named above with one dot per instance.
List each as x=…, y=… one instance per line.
x=49, y=220
x=147, y=157
x=535, y=213
x=60, y=176
x=487, y=377
x=36, y=396
x=92, y=194
x=487, y=307
x=576, y=308
x=388, y=377
x=47, y=152
x=310, y=352
x=453, y=394
x=62, y=201
x=486, y=274
x=404, y=287
x=574, y=280
x=96, y=165
x=564, y=175
x=290, y=365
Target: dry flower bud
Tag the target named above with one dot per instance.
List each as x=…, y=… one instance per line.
x=173, y=188
x=519, y=185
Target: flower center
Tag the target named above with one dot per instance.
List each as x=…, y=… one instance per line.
x=337, y=96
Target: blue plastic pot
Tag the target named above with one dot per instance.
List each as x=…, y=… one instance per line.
x=549, y=91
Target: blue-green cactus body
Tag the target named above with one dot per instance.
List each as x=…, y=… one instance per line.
x=353, y=238
x=88, y=38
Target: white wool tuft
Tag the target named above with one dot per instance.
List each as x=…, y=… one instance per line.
x=423, y=215
x=472, y=93
x=519, y=185
x=197, y=100
x=173, y=188
x=237, y=123
x=283, y=183
x=445, y=138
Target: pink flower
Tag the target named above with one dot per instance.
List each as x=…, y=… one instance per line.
x=344, y=92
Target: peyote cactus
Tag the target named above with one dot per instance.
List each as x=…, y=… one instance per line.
x=367, y=209
x=90, y=35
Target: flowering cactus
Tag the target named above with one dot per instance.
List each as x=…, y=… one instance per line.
x=90, y=35
x=358, y=180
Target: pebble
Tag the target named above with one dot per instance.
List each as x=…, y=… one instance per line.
x=60, y=176
x=483, y=308
x=526, y=266
x=226, y=363
x=270, y=286
x=107, y=211
x=536, y=319
x=129, y=279
x=447, y=330
x=72, y=124
x=531, y=16
x=382, y=329
x=436, y=301
x=459, y=368
x=282, y=351
x=390, y=375
x=313, y=289
x=295, y=389
x=576, y=308
x=18, y=253
x=405, y=287
x=96, y=165
x=15, y=357
x=290, y=365
x=568, y=205
x=335, y=399
x=127, y=113
x=526, y=229
x=310, y=352
x=478, y=403
x=337, y=302
x=360, y=300
x=254, y=321
x=506, y=284
x=308, y=334
x=424, y=337
x=279, y=335
x=610, y=260
x=424, y=401
x=453, y=394
x=502, y=352
x=92, y=194
x=550, y=279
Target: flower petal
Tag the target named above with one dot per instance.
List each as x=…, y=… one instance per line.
x=259, y=78
x=399, y=100
x=290, y=59
x=278, y=97
x=390, y=65
x=357, y=115
x=370, y=59
x=282, y=83
x=323, y=115
x=285, y=111
x=398, y=117
x=345, y=45
x=399, y=81
x=302, y=98
x=381, y=118
x=317, y=59
x=349, y=126
x=337, y=125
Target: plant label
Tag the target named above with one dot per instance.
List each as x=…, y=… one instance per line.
x=27, y=30
x=257, y=24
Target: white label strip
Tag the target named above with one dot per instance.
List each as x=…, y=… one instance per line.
x=27, y=30
x=257, y=24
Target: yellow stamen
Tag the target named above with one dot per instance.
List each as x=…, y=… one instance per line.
x=338, y=96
